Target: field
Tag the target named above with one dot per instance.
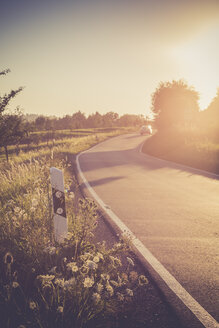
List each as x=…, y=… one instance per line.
x=44, y=139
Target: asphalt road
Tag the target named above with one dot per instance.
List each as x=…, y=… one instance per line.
x=173, y=211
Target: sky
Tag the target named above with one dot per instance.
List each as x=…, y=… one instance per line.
x=106, y=55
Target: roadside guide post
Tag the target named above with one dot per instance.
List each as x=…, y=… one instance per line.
x=59, y=210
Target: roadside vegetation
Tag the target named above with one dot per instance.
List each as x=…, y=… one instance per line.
x=65, y=140
x=184, y=134
x=79, y=282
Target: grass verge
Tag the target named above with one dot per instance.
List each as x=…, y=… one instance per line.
x=198, y=153
x=78, y=283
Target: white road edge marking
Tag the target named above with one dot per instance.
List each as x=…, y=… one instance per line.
x=202, y=315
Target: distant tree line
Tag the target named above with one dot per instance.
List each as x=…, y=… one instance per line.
x=16, y=130
x=174, y=106
x=78, y=120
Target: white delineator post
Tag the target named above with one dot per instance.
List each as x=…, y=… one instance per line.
x=58, y=195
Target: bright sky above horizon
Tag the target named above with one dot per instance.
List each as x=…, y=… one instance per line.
x=106, y=55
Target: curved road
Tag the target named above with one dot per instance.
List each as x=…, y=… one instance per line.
x=173, y=211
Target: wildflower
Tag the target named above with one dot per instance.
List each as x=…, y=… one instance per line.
x=15, y=284
x=22, y=212
x=17, y=209
x=46, y=278
x=110, y=289
x=96, y=298
x=59, y=282
x=34, y=202
x=91, y=265
x=84, y=270
x=32, y=305
x=72, y=266
x=114, y=283
x=130, y=261
x=119, y=281
x=120, y=296
x=124, y=276
x=133, y=276
x=60, y=309
x=50, y=250
x=8, y=258
x=88, y=282
x=96, y=259
x=129, y=292
x=32, y=209
x=100, y=256
x=70, y=283
x=112, y=258
x=142, y=280
x=118, y=245
x=117, y=261
x=99, y=288
x=105, y=276
x=69, y=235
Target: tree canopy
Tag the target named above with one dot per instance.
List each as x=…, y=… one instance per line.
x=11, y=124
x=211, y=114
x=173, y=104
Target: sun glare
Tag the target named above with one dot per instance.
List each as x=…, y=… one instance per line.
x=198, y=63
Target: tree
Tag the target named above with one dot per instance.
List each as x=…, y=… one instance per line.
x=131, y=120
x=110, y=119
x=211, y=114
x=79, y=120
x=174, y=104
x=95, y=120
x=11, y=124
x=40, y=122
x=209, y=119
x=12, y=130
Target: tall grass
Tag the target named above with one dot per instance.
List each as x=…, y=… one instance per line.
x=189, y=146
x=44, y=284
x=92, y=136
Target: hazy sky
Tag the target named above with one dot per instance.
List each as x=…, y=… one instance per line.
x=99, y=55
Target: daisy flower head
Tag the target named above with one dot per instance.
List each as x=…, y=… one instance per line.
x=88, y=282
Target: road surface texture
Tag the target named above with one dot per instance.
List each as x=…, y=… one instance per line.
x=171, y=209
